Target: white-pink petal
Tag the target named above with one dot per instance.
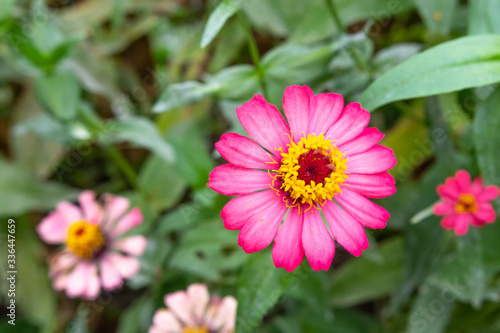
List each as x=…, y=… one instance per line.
x=296, y=102
x=53, y=229
x=318, y=244
x=363, y=210
x=198, y=298
x=229, y=179
x=351, y=123
x=325, y=110
x=287, y=249
x=375, y=160
x=128, y=222
x=244, y=152
x=134, y=245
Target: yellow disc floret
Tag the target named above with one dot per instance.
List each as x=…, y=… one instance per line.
x=312, y=171
x=84, y=239
x=195, y=329
x=466, y=204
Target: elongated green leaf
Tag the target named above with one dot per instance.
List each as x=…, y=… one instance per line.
x=21, y=192
x=437, y=14
x=261, y=284
x=458, y=64
x=217, y=19
x=430, y=312
x=355, y=282
x=487, y=139
x=483, y=17
x=142, y=132
x=58, y=93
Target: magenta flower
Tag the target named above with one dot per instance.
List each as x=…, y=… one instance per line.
x=194, y=311
x=96, y=254
x=324, y=161
x=465, y=203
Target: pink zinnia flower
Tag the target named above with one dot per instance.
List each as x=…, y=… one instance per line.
x=323, y=161
x=465, y=203
x=95, y=255
x=194, y=311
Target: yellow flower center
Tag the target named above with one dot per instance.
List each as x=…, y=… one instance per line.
x=195, y=329
x=466, y=204
x=312, y=171
x=84, y=239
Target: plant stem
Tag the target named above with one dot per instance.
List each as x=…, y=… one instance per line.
x=352, y=52
x=254, y=52
x=122, y=164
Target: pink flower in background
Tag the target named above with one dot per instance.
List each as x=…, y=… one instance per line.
x=194, y=311
x=324, y=160
x=465, y=203
x=96, y=254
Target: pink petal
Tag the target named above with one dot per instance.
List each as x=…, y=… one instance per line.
x=225, y=317
x=448, y=222
x=325, y=110
x=229, y=179
x=351, y=123
x=264, y=123
x=318, y=244
x=178, y=302
x=363, y=210
x=53, y=229
x=199, y=298
x=91, y=209
x=110, y=276
x=462, y=224
x=489, y=193
x=244, y=152
x=449, y=190
x=128, y=222
x=463, y=181
x=260, y=229
x=485, y=212
x=478, y=223
x=375, y=160
x=154, y=329
x=115, y=207
x=366, y=140
x=60, y=282
x=93, y=284
x=287, y=249
x=238, y=210
x=477, y=186
x=127, y=266
x=379, y=185
x=78, y=282
x=296, y=101
x=443, y=208
x=165, y=321
x=345, y=229
x=69, y=212
x=134, y=245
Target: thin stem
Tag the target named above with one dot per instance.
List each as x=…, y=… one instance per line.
x=352, y=52
x=254, y=52
x=122, y=163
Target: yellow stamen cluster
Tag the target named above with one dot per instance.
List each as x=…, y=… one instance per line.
x=195, y=329
x=84, y=239
x=312, y=193
x=466, y=204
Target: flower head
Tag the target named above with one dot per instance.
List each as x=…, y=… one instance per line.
x=194, y=311
x=323, y=161
x=96, y=254
x=465, y=203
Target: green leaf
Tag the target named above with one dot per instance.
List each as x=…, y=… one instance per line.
x=483, y=17
x=7, y=6
x=142, y=132
x=354, y=282
x=260, y=286
x=437, y=14
x=431, y=311
x=58, y=93
x=217, y=19
x=455, y=65
x=393, y=55
x=21, y=192
x=487, y=139
x=137, y=317
x=178, y=95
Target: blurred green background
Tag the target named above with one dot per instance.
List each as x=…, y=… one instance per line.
x=129, y=96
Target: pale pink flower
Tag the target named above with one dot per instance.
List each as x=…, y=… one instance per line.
x=194, y=311
x=465, y=203
x=323, y=161
x=96, y=254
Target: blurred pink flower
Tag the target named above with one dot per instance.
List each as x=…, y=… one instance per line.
x=465, y=203
x=96, y=255
x=324, y=160
x=194, y=311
